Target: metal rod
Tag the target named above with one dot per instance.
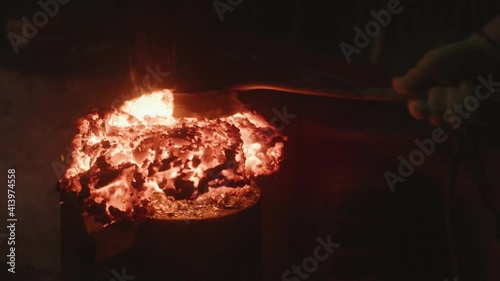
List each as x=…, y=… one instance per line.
x=369, y=94
x=372, y=94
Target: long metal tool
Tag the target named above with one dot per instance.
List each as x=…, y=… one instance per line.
x=358, y=93
x=225, y=102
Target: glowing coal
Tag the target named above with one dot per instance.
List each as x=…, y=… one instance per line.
x=125, y=159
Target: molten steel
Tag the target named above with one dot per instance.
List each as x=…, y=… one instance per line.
x=123, y=159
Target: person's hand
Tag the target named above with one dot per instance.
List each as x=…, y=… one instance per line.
x=446, y=76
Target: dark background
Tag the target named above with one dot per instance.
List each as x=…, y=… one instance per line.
x=332, y=182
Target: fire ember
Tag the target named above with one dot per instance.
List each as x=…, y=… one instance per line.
x=139, y=161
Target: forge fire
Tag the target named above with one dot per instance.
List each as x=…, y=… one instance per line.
x=139, y=161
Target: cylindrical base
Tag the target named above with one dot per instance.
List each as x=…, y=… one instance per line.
x=223, y=248
x=226, y=248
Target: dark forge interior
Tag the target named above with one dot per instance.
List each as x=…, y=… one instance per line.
x=332, y=184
